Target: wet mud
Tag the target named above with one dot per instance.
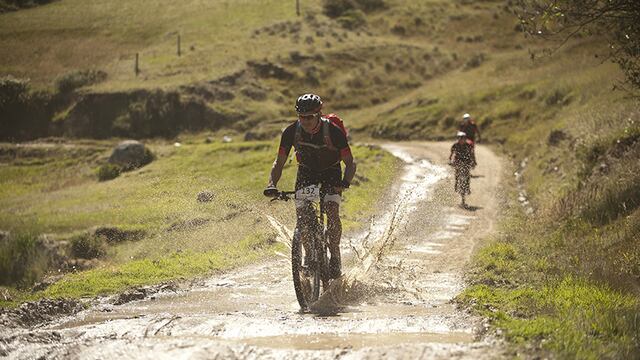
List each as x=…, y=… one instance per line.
x=394, y=300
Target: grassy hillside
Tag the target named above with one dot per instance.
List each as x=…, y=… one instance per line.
x=563, y=272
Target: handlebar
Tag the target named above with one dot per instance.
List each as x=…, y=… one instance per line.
x=283, y=195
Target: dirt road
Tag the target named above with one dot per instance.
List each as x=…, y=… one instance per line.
x=394, y=300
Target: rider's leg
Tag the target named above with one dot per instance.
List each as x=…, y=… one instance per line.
x=334, y=233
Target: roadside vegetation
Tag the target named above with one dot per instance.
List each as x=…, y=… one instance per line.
x=199, y=204
x=562, y=276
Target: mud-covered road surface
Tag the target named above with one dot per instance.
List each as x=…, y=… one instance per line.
x=394, y=300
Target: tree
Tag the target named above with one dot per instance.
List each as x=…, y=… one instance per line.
x=618, y=21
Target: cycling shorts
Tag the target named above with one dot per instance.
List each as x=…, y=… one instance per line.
x=327, y=179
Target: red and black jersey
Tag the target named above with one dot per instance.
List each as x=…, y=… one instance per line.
x=312, y=150
x=463, y=153
x=470, y=128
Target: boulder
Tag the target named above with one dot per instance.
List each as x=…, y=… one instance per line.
x=130, y=154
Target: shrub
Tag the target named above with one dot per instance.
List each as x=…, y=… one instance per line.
x=108, y=171
x=23, y=114
x=352, y=19
x=338, y=8
x=20, y=261
x=87, y=246
x=71, y=81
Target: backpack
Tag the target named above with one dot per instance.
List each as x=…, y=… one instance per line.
x=326, y=120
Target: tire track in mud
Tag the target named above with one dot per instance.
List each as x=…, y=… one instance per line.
x=394, y=300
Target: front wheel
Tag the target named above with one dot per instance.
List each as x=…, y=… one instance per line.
x=306, y=273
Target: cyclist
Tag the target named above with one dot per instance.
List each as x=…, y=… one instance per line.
x=469, y=127
x=319, y=151
x=462, y=159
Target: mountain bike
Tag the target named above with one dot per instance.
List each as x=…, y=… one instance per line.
x=309, y=264
x=462, y=184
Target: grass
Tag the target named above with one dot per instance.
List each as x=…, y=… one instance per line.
x=571, y=317
x=176, y=266
x=566, y=279
x=160, y=199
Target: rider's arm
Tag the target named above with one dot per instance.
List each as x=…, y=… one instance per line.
x=286, y=142
x=341, y=142
x=451, y=155
x=349, y=165
x=276, y=170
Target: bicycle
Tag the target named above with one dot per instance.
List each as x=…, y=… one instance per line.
x=310, y=271
x=462, y=184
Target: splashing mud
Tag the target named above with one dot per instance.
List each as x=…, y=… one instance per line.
x=394, y=300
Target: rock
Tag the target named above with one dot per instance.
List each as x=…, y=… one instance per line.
x=205, y=196
x=38, y=312
x=130, y=154
x=208, y=140
x=132, y=295
x=227, y=139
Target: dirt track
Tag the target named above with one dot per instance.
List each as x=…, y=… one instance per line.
x=394, y=300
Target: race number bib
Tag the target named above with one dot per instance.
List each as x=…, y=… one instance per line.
x=309, y=193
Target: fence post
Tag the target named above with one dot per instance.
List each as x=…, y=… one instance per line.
x=178, y=44
x=298, y=7
x=136, y=69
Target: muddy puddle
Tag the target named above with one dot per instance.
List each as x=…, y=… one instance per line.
x=394, y=299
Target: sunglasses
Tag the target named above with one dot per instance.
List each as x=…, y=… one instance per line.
x=307, y=117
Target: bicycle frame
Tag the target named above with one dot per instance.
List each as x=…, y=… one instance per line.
x=317, y=269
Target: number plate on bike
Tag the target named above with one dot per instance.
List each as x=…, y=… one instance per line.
x=309, y=193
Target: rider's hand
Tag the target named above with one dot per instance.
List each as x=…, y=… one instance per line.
x=342, y=185
x=270, y=191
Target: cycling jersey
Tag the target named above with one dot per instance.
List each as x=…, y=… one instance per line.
x=463, y=153
x=311, y=150
x=471, y=129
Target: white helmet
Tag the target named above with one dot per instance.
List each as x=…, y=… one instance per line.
x=461, y=134
x=466, y=116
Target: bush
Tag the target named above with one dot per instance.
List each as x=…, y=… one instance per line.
x=108, y=172
x=24, y=114
x=20, y=261
x=87, y=246
x=338, y=8
x=77, y=79
x=352, y=19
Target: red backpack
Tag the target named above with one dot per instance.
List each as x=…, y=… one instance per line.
x=327, y=120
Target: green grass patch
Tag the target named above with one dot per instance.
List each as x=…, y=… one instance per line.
x=159, y=200
x=572, y=317
x=179, y=265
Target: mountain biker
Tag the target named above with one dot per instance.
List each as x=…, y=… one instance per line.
x=319, y=153
x=462, y=159
x=469, y=127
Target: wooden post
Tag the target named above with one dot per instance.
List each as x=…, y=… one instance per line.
x=298, y=7
x=136, y=68
x=178, y=44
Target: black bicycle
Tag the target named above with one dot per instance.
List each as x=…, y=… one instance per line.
x=462, y=184
x=310, y=263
